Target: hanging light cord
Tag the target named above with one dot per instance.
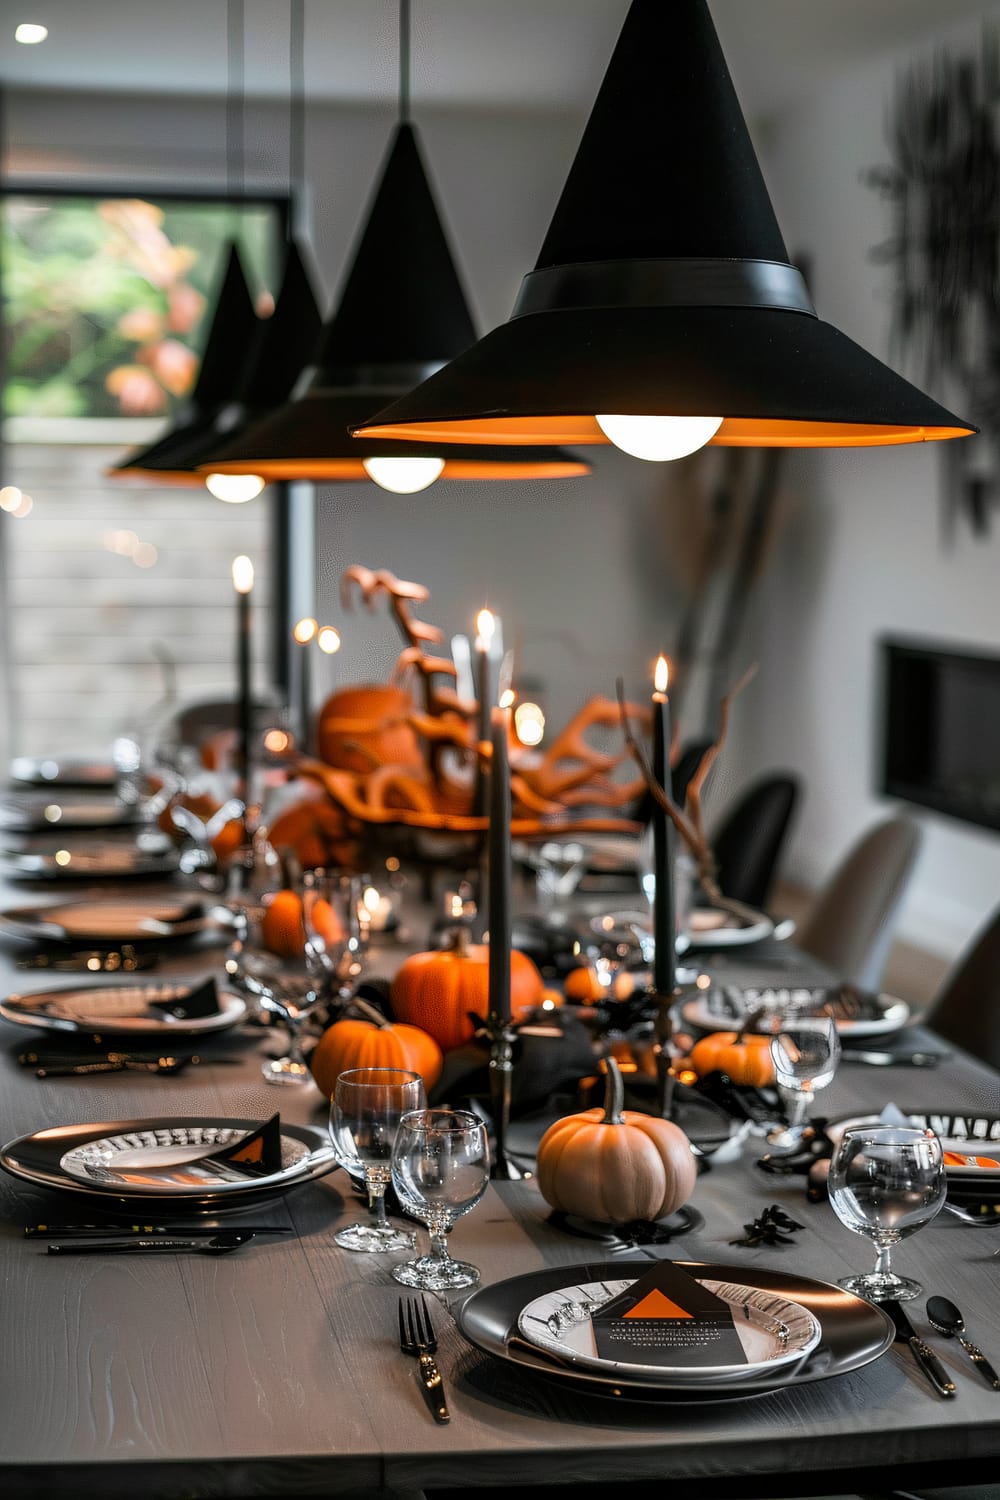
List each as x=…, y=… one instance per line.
x=234, y=100
x=296, y=110
x=404, y=62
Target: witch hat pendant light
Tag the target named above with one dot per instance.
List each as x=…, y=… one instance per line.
x=402, y=314
x=172, y=458
x=663, y=290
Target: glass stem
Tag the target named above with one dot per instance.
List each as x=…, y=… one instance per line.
x=882, y=1267
x=801, y=1100
x=439, y=1244
x=376, y=1181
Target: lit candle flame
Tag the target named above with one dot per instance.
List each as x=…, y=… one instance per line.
x=242, y=574
x=506, y=699
x=304, y=630
x=661, y=675
x=328, y=639
x=485, y=625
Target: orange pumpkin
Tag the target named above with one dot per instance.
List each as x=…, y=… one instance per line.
x=746, y=1058
x=354, y=1043
x=315, y=831
x=366, y=726
x=282, y=931
x=584, y=985
x=437, y=990
x=614, y=1165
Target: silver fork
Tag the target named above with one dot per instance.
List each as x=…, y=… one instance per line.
x=416, y=1337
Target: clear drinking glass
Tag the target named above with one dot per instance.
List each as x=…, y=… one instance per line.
x=367, y=1106
x=805, y=1051
x=886, y=1182
x=440, y=1169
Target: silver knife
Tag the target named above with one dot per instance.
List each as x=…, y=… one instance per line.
x=891, y=1059
x=924, y=1356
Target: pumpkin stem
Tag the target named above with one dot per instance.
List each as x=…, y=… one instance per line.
x=368, y=1012
x=614, y=1093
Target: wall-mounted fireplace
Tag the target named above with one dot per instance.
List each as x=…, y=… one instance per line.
x=940, y=729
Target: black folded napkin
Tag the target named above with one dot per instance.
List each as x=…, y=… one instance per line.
x=190, y=1005
x=256, y=1155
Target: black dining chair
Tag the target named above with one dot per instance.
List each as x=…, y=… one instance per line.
x=748, y=841
x=850, y=926
x=966, y=1012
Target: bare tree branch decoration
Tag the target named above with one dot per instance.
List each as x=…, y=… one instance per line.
x=689, y=822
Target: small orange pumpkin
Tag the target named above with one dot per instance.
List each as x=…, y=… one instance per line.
x=437, y=990
x=315, y=831
x=282, y=931
x=614, y=1165
x=377, y=1043
x=745, y=1057
x=584, y=985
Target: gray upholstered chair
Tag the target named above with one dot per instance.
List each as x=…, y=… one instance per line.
x=966, y=1012
x=850, y=926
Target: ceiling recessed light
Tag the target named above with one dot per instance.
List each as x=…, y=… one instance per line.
x=30, y=32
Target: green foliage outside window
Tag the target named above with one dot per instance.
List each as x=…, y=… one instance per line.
x=107, y=302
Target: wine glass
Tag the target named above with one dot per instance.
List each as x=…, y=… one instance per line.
x=365, y=1112
x=440, y=1168
x=886, y=1182
x=333, y=947
x=805, y=1051
x=336, y=926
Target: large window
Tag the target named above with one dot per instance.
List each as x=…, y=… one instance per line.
x=115, y=593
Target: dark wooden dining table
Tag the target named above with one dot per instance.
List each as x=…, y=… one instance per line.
x=276, y=1370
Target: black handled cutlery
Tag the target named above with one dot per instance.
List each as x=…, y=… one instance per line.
x=120, y=1231
x=946, y=1318
x=922, y=1353
x=220, y=1243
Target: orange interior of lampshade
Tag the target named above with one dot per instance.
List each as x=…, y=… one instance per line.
x=735, y=432
x=353, y=468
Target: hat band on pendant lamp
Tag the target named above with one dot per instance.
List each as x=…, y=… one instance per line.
x=665, y=283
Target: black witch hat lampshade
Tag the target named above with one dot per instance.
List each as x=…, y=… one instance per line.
x=401, y=315
x=222, y=372
x=663, y=312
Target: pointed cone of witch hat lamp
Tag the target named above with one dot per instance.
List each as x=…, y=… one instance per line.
x=401, y=315
x=663, y=312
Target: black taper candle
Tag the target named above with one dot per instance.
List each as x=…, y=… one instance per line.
x=243, y=583
x=664, y=921
x=499, y=868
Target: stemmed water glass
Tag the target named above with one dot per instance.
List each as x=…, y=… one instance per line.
x=886, y=1182
x=805, y=1051
x=440, y=1169
x=333, y=947
x=367, y=1106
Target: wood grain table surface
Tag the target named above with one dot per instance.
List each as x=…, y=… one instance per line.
x=275, y=1370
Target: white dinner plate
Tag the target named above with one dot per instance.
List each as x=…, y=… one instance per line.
x=35, y=859
x=58, y=1158
x=63, y=771
x=712, y=927
x=35, y=811
x=773, y=1331
x=125, y=1008
x=973, y=1138
x=729, y=1007
x=106, y=920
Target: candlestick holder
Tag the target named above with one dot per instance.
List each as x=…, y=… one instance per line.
x=501, y=1038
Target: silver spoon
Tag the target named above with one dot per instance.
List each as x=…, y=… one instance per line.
x=946, y=1318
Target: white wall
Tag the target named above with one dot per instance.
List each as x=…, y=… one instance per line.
x=865, y=555
x=581, y=568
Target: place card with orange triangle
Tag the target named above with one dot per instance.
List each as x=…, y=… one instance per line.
x=668, y=1318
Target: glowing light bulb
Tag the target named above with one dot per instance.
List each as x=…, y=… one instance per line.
x=328, y=639
x=235, y=489
x=659, y=439
x=403, y=476
x=30, y=33
x=529, y=724
x=305, y=630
